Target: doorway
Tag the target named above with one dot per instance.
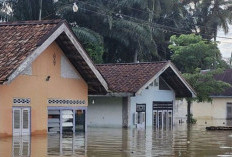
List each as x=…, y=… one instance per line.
x=66, y=119
x=141, y=115
x=162, y=115
x=21, y=121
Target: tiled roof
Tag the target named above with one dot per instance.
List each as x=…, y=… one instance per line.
x=18, y=40
x=226, y=76
x=129, y=77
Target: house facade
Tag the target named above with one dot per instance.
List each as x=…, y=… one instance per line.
x=219, y=111
x=45, y=78
x=140, y=95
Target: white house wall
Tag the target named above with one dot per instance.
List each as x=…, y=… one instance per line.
x=208, y=113
x=105, y=112
x=147, y=97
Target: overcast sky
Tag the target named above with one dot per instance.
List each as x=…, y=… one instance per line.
x=226, y=44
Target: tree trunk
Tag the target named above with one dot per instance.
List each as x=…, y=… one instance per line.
x=136, y=56
x=189, y=111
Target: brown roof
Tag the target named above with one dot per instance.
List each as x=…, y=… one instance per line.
x=226, y=76
x=18, y=40
x=129, y=77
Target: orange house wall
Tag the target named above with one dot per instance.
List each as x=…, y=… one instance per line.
x=39, y=90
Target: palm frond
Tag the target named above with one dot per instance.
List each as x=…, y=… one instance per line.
x=87, y=36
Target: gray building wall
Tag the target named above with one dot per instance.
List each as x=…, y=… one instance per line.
x=104, y=112
x=109, y=111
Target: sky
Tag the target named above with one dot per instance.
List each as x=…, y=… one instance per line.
x=225, y=45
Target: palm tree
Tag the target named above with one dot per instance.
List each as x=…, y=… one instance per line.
x=211, y=15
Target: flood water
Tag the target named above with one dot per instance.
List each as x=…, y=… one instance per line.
x=111, y=142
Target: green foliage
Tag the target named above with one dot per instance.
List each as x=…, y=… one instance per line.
x=192, y=120
x=95, y=52
x=92, y=42
x=209, y=15
x=29, y=9
x=204, y=84
x=191, y=52
x=132, y=29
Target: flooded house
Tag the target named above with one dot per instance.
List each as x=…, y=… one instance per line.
x=140, y=95
x=219, y=111
x=45, y=79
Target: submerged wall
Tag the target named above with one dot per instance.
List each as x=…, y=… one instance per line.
x=33, y=85
x=105, y=112
x=211, y=113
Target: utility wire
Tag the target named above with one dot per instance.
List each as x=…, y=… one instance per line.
x=147, y=12
x=154, y=25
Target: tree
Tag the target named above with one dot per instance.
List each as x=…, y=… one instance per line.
x=129, y=26
x=191, y=54
x=92, y=42
x=209, y=15
x=192, y=51
x=29, y=9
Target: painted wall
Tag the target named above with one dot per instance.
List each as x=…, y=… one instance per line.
x=179, y=112
x=211, y=113
x=105, y=112
x=39, y=90
x=147, y=97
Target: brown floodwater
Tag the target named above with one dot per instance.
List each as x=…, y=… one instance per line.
x=115, y=142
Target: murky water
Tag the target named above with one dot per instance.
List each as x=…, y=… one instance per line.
x=109, y=142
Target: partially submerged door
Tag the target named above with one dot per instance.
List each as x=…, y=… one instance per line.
x=141, y=115
x=162, y=115
x=21, y=121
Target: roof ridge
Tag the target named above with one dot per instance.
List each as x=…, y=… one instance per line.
x=32, y=22
x=108, y=64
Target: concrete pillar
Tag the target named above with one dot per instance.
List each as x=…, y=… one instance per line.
x=125, y=112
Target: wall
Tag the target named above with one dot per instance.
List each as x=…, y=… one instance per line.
x=39, y=90
x=147, y=97
x=105, y=112
x=208, y=113
x=179, y=112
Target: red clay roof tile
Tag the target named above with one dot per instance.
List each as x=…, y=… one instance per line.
x=129, y=77
x=18, y=40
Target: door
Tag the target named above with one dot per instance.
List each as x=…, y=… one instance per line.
x=155, y=119
x=80, y=121
x=21, y=121
x=141, y=113
x=160, y=119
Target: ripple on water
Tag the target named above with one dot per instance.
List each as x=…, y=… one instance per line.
x=114, y=142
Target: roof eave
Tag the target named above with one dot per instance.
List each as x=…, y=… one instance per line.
x=45, y=42
x=169, y=64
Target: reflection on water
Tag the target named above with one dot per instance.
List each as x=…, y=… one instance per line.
x=21, y=146
x=70, y=144
x=99, y=142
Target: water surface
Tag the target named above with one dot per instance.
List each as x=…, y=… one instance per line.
x=117, y=142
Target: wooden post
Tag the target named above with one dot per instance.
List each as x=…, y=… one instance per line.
x=189, y=111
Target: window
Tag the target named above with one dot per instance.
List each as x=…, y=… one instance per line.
x=229, y=111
